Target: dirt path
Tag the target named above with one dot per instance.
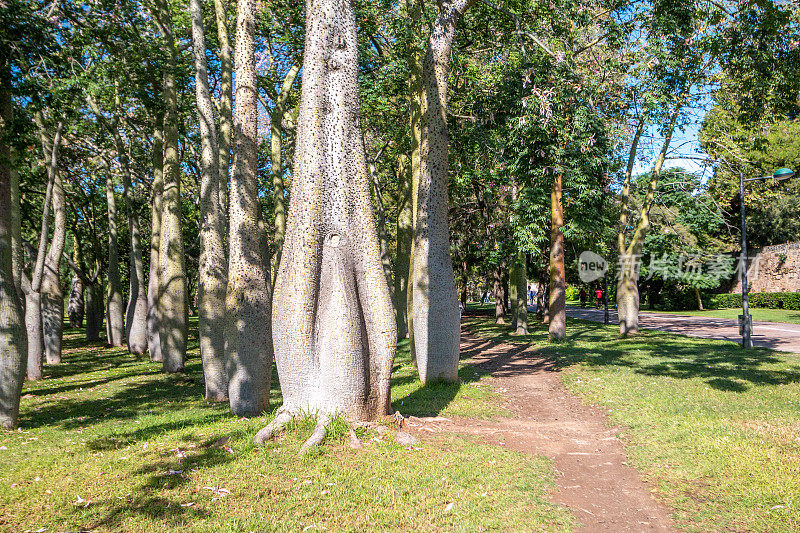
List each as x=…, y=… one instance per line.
x=594, y=480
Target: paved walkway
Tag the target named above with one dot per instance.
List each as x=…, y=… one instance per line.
x=774, y=335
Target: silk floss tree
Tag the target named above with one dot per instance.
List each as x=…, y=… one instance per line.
x=334, y=328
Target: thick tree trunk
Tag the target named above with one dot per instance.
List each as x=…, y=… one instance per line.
x=173, y=297
x=558, y=288
x=115, y=321
x=52, y=301
x=213, y=269
x=339, y=359
x=628, y=300
x=225, y=107
x=437, y=330
x=153, y=285
x=248, y=332
x=519, y=283
x=405, y=235
x=13, y=339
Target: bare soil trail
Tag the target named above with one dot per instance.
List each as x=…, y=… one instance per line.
x=594, y=480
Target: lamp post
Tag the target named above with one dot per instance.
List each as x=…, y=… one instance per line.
x=747, y=320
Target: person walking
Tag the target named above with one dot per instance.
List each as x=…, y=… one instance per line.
x=598, y=294
x=583, y=297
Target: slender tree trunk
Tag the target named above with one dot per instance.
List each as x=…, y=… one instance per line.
x=115, y=320
x=628, y=300
x=52, y=301
x=558, y=288
x=94, y=311
x=383, y=238
x=173, y=297
x=625, y=283
x=153, y=285
x=437, y=330
x=225, y=107
x=276, y=142
x=405, y=235
x=13, y=339
x=416, y=89
x=499, y=311
x=699, y=299
x=248, y=330
x=519, y=283
x=33, y=309
x=339, y=360
x=76, y=306
x=17, y=257
x=136, y=314
x=213, y=270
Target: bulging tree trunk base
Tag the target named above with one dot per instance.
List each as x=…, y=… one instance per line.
x=317, y=437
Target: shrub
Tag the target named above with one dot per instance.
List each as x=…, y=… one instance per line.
x=765, y=300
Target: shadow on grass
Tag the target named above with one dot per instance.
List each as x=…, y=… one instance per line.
x=722, y=364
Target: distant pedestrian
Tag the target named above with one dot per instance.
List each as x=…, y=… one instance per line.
x=599, y=295
x=584, y=297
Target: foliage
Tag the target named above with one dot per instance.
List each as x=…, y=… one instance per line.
x=767, y=300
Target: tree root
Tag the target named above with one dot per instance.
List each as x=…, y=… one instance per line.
x=283, y=417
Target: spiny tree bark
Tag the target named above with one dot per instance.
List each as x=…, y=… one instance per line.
x=225, y=105
x=173, y=301
x=213, y=269
x=13, y=339
x=248, y=337
x=33, y=287
x=335, y=335
x=628, y=280
x=436, y=314
x=115, y=318
x=558, y=283
x=153, y=285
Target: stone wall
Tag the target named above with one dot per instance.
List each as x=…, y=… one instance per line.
x=773, y=269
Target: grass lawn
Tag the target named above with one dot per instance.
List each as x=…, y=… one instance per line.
x=108, y=443
x=763, y=315
x=716, y=429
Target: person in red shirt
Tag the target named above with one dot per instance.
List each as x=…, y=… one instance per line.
x=599, y=295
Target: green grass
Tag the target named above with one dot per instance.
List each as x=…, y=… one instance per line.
x=715, y=428
x=108, y=443
x=763, y=315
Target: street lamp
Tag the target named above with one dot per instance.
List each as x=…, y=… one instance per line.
x=747, y=320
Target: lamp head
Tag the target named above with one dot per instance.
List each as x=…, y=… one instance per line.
x=783, y=174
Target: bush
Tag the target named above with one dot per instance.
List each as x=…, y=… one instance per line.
x=764, y=300
x=573, y=293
